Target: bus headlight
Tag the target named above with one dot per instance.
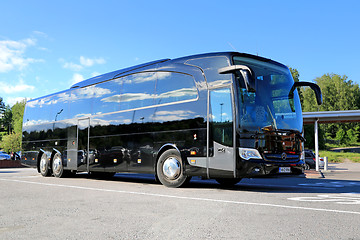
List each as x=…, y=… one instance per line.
x=249, y=153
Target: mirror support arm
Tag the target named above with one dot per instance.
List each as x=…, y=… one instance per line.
x=313, y=86
x=246, y=73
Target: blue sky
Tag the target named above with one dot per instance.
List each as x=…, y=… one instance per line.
x=45, y=46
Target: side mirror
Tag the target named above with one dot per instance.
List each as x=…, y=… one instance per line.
x=313, y=86
x=245, y=72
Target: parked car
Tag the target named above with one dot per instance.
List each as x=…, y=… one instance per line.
x=310, y=160
x=4, y=156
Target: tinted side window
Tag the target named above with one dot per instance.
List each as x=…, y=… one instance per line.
x=106, y=96
x=51, y=108
x=81, y=102
x=308, y=155
x=137, y=90
x=210, y=66
x=142, y=90
x=174, y=87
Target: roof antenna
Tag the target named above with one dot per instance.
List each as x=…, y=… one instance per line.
x=232, y=47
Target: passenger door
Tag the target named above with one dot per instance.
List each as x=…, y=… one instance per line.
x=83, y=145
x=221, y=160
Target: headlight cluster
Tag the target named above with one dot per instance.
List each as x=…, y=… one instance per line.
x=249, y=153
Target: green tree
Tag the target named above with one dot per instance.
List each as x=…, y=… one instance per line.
x=352, y=135
x=310, y=137
x=2, y=107
x=339, y=93
x=341, y=135
x=11, y=121
x=17, y=116
x=296, y=76
x=2, y=111
x=7, y=119
x=11, y=142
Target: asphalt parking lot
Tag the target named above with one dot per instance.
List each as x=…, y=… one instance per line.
x=131, y=206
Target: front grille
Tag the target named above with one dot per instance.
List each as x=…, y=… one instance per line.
x=276, y=157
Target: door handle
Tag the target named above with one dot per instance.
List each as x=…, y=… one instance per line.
x=222, y=150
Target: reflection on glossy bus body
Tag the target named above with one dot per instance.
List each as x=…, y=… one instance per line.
x=172, y=118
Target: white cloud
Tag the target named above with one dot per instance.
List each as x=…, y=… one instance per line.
x=73, y=66
x=76, y=78
x=20, y=87
x=12, y=54
x=88, y=62
x=12, y=101
x=41, y=34
x=94, y=74
x=165, y=116
x=83, y=62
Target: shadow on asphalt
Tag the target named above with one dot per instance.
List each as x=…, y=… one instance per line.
x=274, y=184
x=8, y=171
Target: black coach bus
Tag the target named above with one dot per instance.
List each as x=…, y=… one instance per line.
x=222, y=116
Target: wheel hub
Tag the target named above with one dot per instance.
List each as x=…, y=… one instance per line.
x=57, y=165
x=43, y=164
x=171, y=168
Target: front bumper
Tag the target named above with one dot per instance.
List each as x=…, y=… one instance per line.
x=260, y=168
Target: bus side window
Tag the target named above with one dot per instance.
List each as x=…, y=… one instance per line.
x=137, y=90
x=174, y=87
x=106, y=96
x=210, y=66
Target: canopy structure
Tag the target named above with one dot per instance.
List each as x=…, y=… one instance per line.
x=328, y=117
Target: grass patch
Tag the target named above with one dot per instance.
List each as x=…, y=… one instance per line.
x=340, y=156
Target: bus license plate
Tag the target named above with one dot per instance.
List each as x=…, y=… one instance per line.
x=284, y=170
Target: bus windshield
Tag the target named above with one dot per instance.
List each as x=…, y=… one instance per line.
x=270, y=106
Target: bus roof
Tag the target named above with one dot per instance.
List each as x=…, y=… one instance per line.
x=114, y=74
x=117, y=73
x=111, y=75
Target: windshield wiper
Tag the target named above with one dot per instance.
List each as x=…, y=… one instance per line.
x=287, y=131
x=272, y=117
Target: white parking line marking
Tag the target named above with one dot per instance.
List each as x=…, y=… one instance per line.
x=330, y=184
x=284, y=186
x=185, y=198
x=343, y=198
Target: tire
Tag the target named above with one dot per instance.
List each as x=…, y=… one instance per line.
x=57, y=166
x=307, y=166
x=170, y=169
x=228, y=182
x=44, y=166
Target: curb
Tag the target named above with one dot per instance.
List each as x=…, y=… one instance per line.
x=313, y=174
x=10, y=164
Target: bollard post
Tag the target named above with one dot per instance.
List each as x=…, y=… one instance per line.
x=325, y=163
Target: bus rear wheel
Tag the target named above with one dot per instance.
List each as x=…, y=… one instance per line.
x=57, y=166
x=170, y=169
x=44, y=166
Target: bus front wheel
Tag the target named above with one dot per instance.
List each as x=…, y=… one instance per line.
x=170, y=170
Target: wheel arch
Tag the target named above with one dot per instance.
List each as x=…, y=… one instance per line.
x=164, y=148
x=170, y=167
x=53, y=152
x=41, y=152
